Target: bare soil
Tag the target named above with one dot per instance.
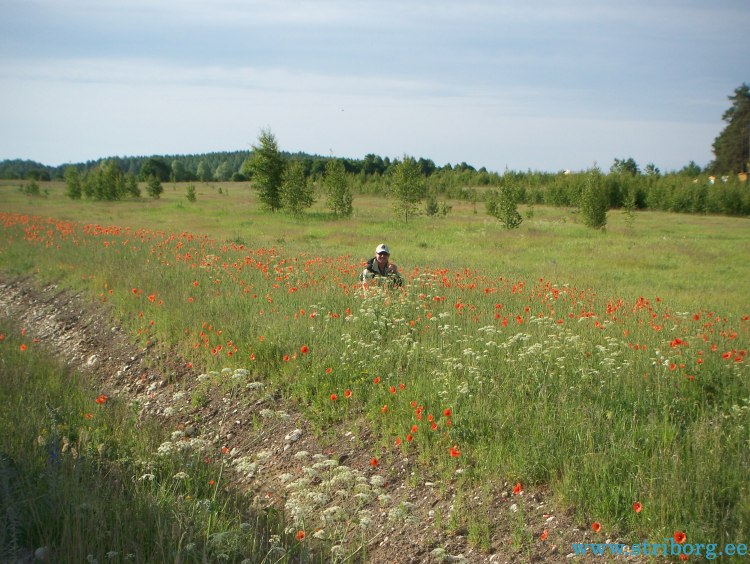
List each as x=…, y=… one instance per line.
x=491, y=524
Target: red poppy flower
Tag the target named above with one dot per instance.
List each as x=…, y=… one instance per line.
x=23, y=347
x=679, y=537
x=447, y=412
x=384, y=408
x=348, y=394
x=376, y=380
x=409, y=438
x=373, y=462
x=455, y=452
x=414, y=428
x=334, y=397
x=300, y=536
x=286, y=358
x=544, y=535
x=304, y=349
x=329, y=370
x=392, y=389
x=397, y=442
x=518, y=488
x=637, y=507
x=596, y=526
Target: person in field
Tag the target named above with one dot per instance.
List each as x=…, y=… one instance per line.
x=380, y=269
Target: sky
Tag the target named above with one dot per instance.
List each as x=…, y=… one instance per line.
x=508, y=85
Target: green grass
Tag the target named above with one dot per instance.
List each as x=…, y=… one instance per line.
x=81, y=480
x=608, y=366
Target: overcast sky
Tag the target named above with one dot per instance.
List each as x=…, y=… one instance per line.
x=534, y=84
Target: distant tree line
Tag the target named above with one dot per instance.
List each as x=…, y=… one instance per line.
x=689, y=190
x=717, y=189
x=215, y=167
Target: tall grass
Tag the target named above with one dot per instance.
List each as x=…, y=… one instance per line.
x=83, y=478
x=610, y=367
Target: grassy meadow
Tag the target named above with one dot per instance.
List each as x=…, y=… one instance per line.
x=607, y=366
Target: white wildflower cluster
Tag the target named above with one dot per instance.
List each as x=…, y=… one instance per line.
x=329, y=496
x=180, y=444
x=239, y=375
x=246, y=465
x=180, y=396
x=167, y=448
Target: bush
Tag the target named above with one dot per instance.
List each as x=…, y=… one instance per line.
x=503, y=205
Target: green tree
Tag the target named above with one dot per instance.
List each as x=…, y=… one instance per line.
x=154, y=187
x=178, y=173
x=732, y=146
x=407, y=185
x=625, y=166
x=73, y=186
x=339, y=193
x=131, y=186
x=203, y=171
x=266, y=167
x=503, y=205
x=190, y=195
x=31, y=188
x=223, y=172
x=691, y=169
x=431, y=207
x=111, y=186
x=594, y=199
x=155, y=167
x=296, y=192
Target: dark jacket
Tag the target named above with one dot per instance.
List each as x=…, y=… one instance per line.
x=372, y=270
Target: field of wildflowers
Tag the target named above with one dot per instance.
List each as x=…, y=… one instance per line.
x=634, y=413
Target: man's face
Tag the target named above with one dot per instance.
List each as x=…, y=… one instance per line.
x=382, y=259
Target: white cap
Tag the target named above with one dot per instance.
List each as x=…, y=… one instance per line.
x=382, y=248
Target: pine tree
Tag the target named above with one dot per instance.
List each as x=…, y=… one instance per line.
x=732, y=146
x=593, y=204
x=266, y=167
x=154, y=187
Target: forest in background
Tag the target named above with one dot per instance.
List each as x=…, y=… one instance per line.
x=716, y=189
